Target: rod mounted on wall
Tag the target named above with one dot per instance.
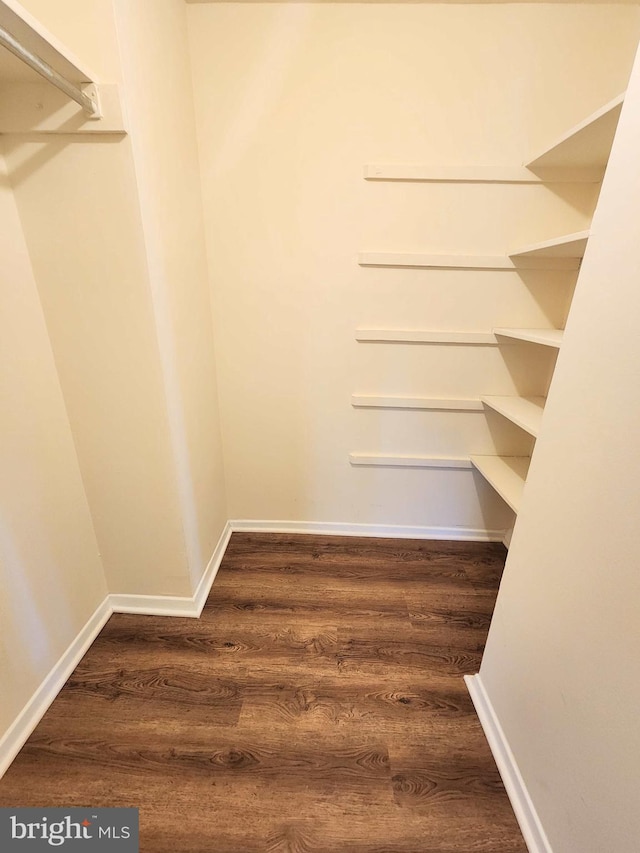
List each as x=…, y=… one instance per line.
x=88, y=102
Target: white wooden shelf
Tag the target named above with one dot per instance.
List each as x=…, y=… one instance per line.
x=546, y=337
x=468, y=262
x=507, y=475
x=425, y=336
x=376, y=460
x=29, y=104
x=525, y=412
x=366, y=401
x=15, y=19
x=567, y=246
x=586, y=145
x=473, y=174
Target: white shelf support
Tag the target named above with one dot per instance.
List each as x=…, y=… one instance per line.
x=436, y=404
x=423, y=336
x=382, y=461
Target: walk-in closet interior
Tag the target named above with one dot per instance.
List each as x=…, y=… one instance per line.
x=360, y=269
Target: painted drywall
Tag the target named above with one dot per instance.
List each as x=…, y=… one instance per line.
x=51, y=576
x=86, y=29
x=112, y=230
x=560, y=57
x=157, y=86
x=562, y=661
x=82, y=224
x=292, y=100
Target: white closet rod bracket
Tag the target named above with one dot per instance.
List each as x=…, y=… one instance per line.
x=86, y=97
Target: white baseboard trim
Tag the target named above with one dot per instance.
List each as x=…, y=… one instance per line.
x=385, y=531
x=152, y=605
x=204, y=587
x=15, y=737
x=525, y=811
x=159, y=605
x=176, y=605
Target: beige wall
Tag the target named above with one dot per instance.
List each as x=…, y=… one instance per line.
x=291, y=101
x=83, y=230
x=51, y=576
x=112, y=229
x=562, y=661
x=157, y=85
x=594, y=46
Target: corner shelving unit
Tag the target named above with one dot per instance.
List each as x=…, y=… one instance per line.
x=584, y=150
x=578, y=156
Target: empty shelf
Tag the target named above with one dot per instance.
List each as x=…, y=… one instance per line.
x=567, y=246
x=525, y=412
x=507, y=475
x=546, y=337
x=586, y=145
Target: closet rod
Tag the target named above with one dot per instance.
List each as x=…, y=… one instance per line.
x=88, y=104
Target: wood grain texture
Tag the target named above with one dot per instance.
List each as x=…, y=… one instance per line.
x=317, y=706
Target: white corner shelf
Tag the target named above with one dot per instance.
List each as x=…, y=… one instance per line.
x=586, y=145
x=424, y=336
x=507, y=475
x=524, y=412
x=578, y=156
x=566, y=246
x=545, y=337
x=436, y=404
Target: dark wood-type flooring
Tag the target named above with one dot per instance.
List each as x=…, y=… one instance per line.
x=317, y=706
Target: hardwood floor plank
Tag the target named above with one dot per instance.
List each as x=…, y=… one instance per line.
x=340, y=597
x=317, y=706
x=221, y=638
x=460, y=621
x=364, y=705
x=401, y=650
